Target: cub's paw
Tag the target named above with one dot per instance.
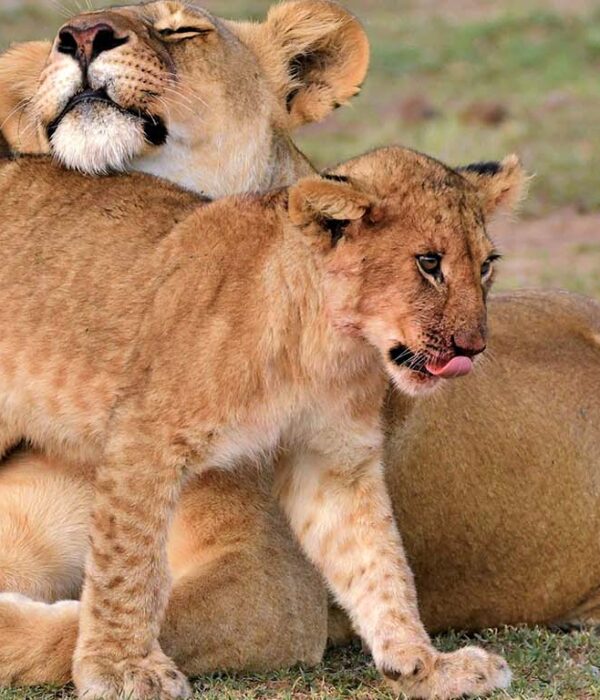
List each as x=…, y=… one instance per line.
x=154, y=677
x=425, y=673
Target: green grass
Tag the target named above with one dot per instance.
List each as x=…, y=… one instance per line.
x=546, y=665
x=544, y=68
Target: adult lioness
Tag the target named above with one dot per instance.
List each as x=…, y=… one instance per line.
x=380, y=269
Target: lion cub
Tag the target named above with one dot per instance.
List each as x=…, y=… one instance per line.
x=251, y=326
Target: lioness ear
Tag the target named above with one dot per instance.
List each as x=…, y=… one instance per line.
x=329, y=202
x=321, y=56
x=501, y=184
x=20, y=69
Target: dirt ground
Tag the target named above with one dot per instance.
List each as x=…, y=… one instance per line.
x=560, y=250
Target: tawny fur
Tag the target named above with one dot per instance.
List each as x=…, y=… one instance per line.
x=159, y=372
x=496, y=564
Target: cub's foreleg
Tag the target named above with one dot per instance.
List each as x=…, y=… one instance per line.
x=335, y=496
x=127, y=584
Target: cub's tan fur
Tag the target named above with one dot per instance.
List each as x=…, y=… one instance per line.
x=160, y=372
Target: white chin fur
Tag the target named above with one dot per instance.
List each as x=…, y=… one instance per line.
x=411, y=383
x=96, y=139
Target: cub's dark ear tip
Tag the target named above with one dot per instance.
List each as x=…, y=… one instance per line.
x=336, y=228
x=489, y=167
x=335, y=178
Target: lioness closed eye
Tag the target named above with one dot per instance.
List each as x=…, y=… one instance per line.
x=285, y=343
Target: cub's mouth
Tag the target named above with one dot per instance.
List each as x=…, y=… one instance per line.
x=155, y=130
x=429, y=369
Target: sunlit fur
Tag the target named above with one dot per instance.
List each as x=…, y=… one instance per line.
x=149, y=274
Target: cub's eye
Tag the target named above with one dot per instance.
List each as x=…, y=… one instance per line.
x=430, y=264
x=181, y=33
x=488, y=265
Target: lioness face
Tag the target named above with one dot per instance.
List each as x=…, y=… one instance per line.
x=167, y=88
x=408, y=262
x=119, y=82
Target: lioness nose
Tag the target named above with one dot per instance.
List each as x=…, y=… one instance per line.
x=86, y=42
x=469, y=343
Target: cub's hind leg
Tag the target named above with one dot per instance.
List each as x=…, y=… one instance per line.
x=244, y=597
x=44, y=523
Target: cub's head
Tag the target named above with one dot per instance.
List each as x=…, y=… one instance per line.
x=168, y=88
x=407, y=260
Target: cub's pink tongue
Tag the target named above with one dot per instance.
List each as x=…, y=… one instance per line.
x=457, y=367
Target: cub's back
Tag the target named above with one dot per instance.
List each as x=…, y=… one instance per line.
x=80, y=258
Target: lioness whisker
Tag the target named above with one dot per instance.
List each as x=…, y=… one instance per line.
x=61, y=8
x=21, y=105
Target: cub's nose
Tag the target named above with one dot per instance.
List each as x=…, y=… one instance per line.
x=85, y=40
x=468, y=343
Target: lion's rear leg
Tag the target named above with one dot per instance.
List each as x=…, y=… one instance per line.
x=587, y=614
x=244, y=597
x=232, y=614
x=37, y=640
x=44, y=521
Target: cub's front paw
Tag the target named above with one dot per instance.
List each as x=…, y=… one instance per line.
x=420, y=671
x=154, y=677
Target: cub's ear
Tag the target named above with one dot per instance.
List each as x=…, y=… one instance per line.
x=500, y=184
x=315, y=53
x=329, y=202
x=20, y=70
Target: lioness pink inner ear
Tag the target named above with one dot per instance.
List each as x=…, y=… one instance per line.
x=501, y=184
x=320, y=199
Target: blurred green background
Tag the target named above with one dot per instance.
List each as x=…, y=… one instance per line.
x=463, y=80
